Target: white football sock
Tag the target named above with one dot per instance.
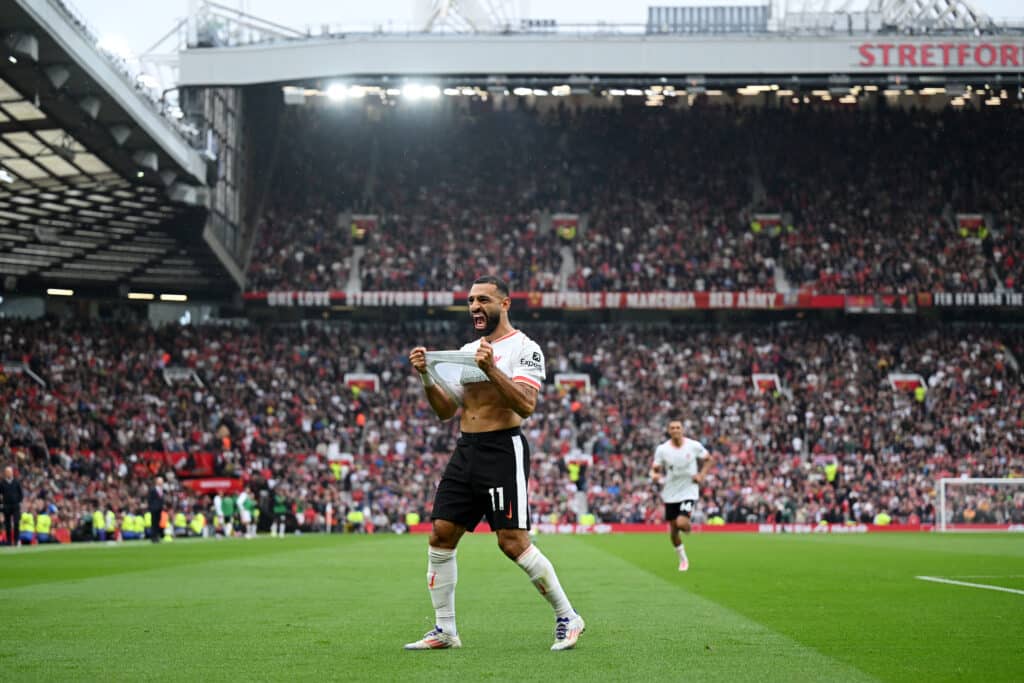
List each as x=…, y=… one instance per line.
x=442, y=575
x=542, y=574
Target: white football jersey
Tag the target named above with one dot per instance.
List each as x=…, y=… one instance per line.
x=516, y=355
x=678, y=465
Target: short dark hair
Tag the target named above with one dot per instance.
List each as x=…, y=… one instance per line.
x=498, y=283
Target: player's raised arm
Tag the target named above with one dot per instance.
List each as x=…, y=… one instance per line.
x=442, y=404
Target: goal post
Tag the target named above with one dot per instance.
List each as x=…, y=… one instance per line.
x=980, y=504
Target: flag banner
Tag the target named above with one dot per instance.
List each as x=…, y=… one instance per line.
x=362, y=225
x=566, y=225
x=766, y=223
x=573, y=380
x=905, y=381
x=185, y=464
x=363, y=380
x=766, y=383
x=970, y=224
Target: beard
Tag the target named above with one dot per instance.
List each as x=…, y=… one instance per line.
x=490, y=324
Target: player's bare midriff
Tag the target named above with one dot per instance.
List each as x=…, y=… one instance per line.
x=484, y=410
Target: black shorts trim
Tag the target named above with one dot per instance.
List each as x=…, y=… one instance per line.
x=683, y=507
x=486, y=478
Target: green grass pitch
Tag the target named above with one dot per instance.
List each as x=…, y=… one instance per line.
x=751, y=608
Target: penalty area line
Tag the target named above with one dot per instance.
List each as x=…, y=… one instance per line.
x=939, y=579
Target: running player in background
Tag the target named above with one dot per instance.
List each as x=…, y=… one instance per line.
x=675, y=468
x=488, y=472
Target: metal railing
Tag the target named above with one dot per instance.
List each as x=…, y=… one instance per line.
x=153, y=96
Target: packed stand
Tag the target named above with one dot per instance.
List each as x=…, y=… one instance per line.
x=272, y=407
x=667, y=198
x=874, y=195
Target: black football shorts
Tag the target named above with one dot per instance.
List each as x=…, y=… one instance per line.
x=486, y=478
x=683, y=507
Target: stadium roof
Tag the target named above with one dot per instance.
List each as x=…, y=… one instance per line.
x=98, y=192
x=912, y=39
x=501, y=59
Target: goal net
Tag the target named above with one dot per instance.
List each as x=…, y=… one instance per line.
x=980, y=505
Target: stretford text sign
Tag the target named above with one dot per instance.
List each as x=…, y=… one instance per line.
x=944, y=54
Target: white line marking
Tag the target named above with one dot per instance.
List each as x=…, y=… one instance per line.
x=987, y=576
x=936, y=579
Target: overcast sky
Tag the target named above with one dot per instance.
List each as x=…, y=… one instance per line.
x=137, y=24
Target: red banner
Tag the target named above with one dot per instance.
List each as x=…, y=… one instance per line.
x=766, y=383
x=587, y=300
x=323, y=299
x=881, y=303
x=365, y=381
x=201, y=464
x=657, y=300
x=677, y=301
x=214, y=485
x=908, y=382
x=971, y=222
x=571, y=380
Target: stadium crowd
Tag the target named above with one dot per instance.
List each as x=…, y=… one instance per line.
x=834, y=440
x=669, y=199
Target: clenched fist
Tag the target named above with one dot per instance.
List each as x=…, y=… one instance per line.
x=418, y=358
x=485, y=356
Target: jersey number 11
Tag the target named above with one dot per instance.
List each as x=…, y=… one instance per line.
x=497, y=498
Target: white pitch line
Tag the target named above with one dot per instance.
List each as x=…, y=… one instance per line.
x=936, y=579
x=987, y=576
